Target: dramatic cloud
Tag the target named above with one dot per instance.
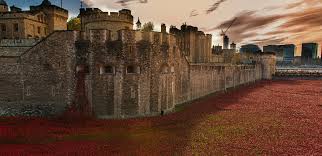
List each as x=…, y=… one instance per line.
x=268, y=41
x=125, y=3
x=280, y=28
x=194, y=13
x=88, y=3
x=215, y=6
x=310, y=18
x=303, y=3
x=248, y=21
x=246, y=25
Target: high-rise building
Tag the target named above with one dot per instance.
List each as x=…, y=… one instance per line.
x=226, y=42
x=250, y=48
x=284, y=53
x=309, y=51
x=288, y=52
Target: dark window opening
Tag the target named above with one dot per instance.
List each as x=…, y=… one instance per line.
x=86, y=69
x=132, y=70
x=109, y=69
x=39, y=30
x=3, y=27
x=16, y=27
x=28, y=90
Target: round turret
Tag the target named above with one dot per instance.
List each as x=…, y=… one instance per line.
x=94, y=19
x=268, y=61
x=3, y=6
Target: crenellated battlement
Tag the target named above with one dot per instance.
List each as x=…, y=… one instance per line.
x=188, y=29
x=95, y=15
x=153, y=37
x=130, y=36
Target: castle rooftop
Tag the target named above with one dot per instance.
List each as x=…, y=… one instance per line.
x=46, y=4
x=2, y=2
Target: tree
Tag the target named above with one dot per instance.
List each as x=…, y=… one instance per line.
x=148, y=27
x=74, y=24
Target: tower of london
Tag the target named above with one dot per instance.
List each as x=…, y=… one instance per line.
x=124, y=72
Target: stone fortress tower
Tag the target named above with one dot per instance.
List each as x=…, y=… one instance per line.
x=196, y=45
x=3, y=6
x=38, y=22
x=96, y=19
x=268, y=61
x=56, y=16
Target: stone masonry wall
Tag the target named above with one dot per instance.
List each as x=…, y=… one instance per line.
x=161, y=77
x=42, y=76
x=134, y=74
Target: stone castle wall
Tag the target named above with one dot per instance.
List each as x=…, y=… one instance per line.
x=131, y=74
x=162, y=79
x=42, y=76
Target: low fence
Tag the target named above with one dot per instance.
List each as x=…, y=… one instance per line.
x=299, y=71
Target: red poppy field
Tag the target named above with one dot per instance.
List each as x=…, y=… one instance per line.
x=267, y=118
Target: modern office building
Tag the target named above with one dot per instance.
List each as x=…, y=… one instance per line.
x=250, y=48
x=284, y=53
x=309, y=51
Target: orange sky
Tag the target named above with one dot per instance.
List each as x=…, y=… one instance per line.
x=260, y=22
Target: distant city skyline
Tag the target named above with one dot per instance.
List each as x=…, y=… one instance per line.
x=272, y=22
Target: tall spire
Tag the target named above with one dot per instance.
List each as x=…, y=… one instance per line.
x=138, y=24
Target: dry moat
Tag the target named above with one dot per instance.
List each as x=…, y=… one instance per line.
x=271, y=117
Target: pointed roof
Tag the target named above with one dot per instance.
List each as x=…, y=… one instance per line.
x=138, y=22
x=3, y=2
